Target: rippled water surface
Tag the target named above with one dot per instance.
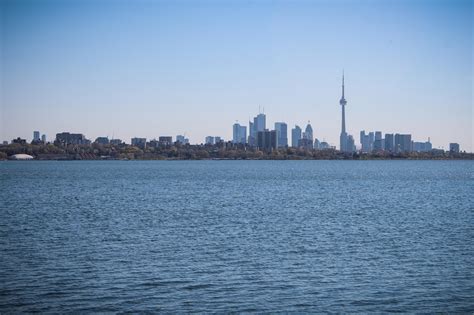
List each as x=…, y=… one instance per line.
x=250, y=236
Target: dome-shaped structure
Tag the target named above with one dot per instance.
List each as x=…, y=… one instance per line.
x=21, y=157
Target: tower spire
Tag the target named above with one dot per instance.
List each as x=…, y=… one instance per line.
x=343, y=83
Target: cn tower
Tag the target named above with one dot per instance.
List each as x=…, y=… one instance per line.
x=343, y=137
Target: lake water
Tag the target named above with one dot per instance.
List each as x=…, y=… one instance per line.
x=243, y=236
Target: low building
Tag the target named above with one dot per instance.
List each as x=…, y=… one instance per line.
x=165, y=140
x=66, y=138
x=19, y=141
x=21, y=157
x=209, y=140
x=102, y=140
x=116, y=141
x=139, y=142
x=454, y=147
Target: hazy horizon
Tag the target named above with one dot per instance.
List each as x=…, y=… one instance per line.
x=152, y=68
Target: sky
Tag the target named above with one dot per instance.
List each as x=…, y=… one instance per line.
x=147, y=68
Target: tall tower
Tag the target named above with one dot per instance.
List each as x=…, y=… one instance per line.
x=343, y=137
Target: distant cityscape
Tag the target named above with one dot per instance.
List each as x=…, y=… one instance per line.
x=262, y=138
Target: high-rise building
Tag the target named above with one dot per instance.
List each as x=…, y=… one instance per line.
x=454, y=147
x=43, y=138
x=36, y=136
x=259, y=124
x=239, y=134
x=389, y=143
x=267, y=140
x=209, y=140
x=402, y=143
x=364, y=142
x=282, y=134
x=295, y=136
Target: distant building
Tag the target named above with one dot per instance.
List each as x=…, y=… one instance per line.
x=139, y=142
x=364, y=142
x=295, y=136
x=182, y=139
x=281, y=129
x=389, y=143
x=324, y=145
x=307, y=137
x=43, y=138
x=5, y=142
x=422, y=146
x=209, y=140
x=403, y=143
x=454, y=147
x=116, y=141
x=267, y=140
x=259, y=124
x=317, y=144
x=239, y=134
x=21, y=157
x=19, y=141
x=165, y=140
x=102, y=140
x=305, y=143
x=36, y=136
x=66, y=138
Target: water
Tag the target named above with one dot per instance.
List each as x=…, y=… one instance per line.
x=243, y=236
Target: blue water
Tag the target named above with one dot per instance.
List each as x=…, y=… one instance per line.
x=243, y=236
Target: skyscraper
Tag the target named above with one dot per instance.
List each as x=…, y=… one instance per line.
x=308, y=137
x=282, y=134
x=389, y=142
x=295, y=136
x=402, y=143
x=239, y=133
x=343, y=137
x=259, y=124
x=36, y=136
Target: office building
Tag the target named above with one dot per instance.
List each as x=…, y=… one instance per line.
x=364, y=142
x=389, y=142
x=402, y=143
x=209, y=140
x=102, y=140
x=165, y=140
x=259, y=124
x=115, y=141
x=36, y=136
x=267, y=140
x=295, y=136
x=422, y=146
x=66, y=138
x=43, y=138
x=182, y=139
x=239, y=134
x=281, y=129
x=317, y=144
x=139, y=142
x=454, y=147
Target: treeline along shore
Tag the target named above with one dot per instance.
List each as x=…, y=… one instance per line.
x=227, y=151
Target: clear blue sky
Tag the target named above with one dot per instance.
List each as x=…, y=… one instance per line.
x=151, y=68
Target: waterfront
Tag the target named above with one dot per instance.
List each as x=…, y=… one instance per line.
x=298, y=236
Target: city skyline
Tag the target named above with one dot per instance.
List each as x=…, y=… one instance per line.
x=194, y=68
